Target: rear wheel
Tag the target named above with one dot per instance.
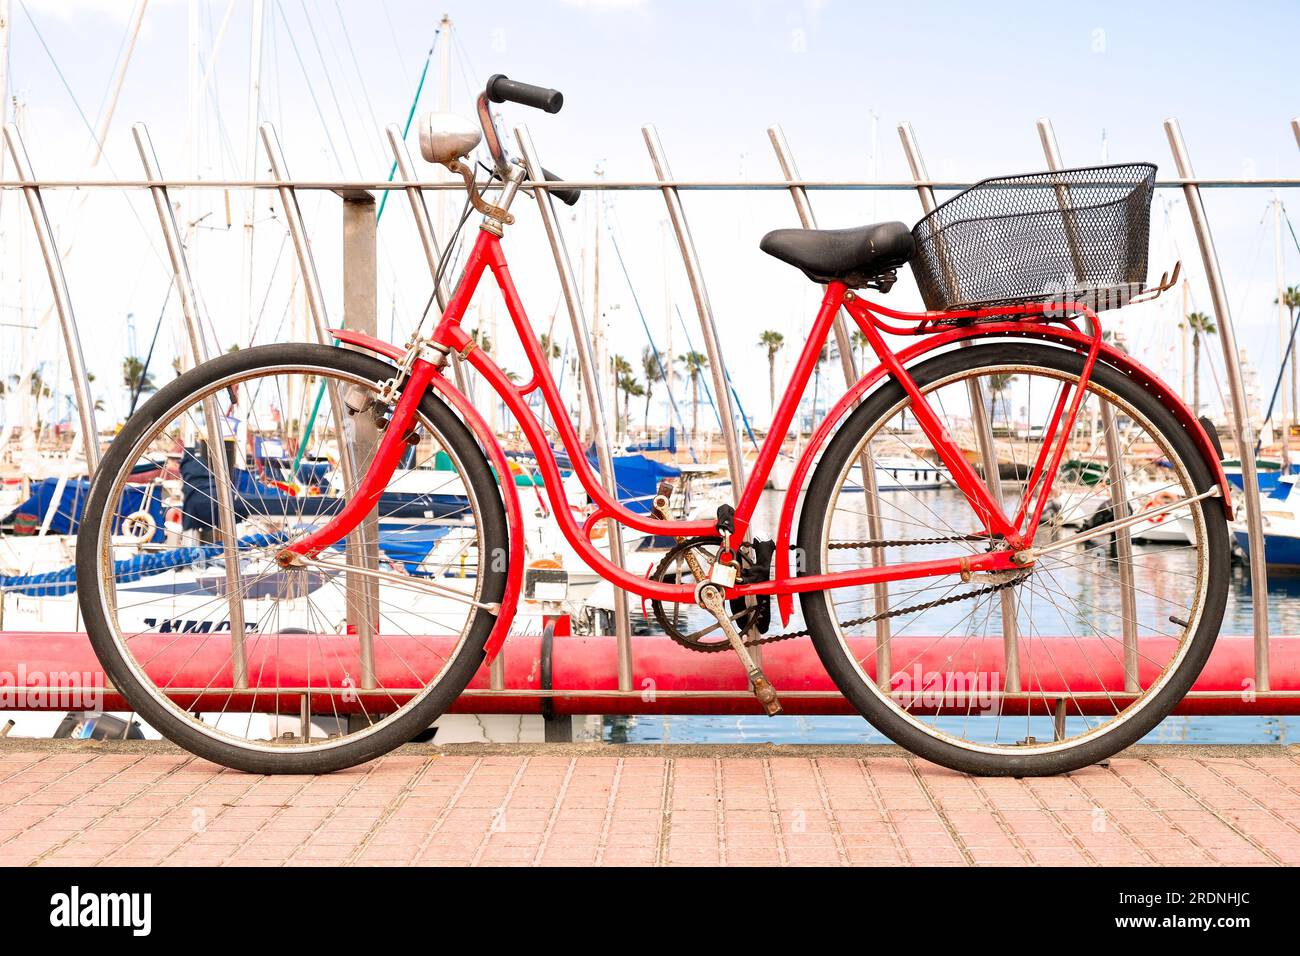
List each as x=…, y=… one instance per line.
x=312, y=669
x=1023, y=674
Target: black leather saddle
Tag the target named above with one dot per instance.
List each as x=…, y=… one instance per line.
x=856, y=257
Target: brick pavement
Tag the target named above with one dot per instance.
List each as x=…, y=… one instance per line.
x=621, y=806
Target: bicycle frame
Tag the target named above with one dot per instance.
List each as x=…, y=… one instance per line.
x=424, y=362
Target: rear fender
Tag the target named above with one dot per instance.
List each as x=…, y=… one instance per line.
x=492, y=448
x=1118, y=360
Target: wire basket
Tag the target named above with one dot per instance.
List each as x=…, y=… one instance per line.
x=1066, y=236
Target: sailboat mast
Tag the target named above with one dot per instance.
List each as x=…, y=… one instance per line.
x=1284, y=328
x=444, y=105
x=250, y=163
x=101, y=133
x=4, y=80
x=670, y=360
x=598, y=329
x=1183, y=335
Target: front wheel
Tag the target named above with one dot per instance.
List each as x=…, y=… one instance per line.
x=1016, y=674
x=303, y=669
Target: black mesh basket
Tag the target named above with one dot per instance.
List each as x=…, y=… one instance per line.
x=1069, y=235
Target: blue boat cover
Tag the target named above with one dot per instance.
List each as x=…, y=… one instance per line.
x=64, y=581
x=67, y=515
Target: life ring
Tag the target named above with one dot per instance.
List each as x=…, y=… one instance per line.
x=139, y=526
x=1161, y=500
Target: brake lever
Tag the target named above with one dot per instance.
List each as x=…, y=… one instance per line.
x=475, y=197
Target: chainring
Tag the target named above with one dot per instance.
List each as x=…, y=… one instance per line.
x=710, y=637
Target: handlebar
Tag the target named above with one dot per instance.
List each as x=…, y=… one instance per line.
x=567, y=196
x=502, y=89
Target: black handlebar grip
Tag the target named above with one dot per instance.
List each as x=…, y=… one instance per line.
x=567, y=196
x=501, y=89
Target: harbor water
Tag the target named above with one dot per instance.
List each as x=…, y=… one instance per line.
x=1284, y=615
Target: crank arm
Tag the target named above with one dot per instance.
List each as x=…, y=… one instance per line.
x=696, y=635
x=1029, y=555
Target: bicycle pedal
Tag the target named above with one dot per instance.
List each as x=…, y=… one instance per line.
x=765, y=693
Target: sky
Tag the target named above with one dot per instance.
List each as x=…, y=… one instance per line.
x=838, y=77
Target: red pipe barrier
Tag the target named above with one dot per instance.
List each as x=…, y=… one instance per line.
x=668, y=678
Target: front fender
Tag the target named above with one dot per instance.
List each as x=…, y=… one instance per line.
x=1118, y=360
x=492, y=448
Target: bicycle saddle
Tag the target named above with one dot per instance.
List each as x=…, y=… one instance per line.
x=852, y=256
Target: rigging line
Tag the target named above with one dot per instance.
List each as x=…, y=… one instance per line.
x=365, y=90
x=1289, y=226
x=397, y=47
x=1290, y=347
x=59, y=71
x=461, y=60
x=329, y=84
x=349, y=88
x=144, y=368
x=270, y=283
x=690, y=347
x=117, y=59
x=311, y=89
x=94, y=139
x=406, y=127
x=636, y=302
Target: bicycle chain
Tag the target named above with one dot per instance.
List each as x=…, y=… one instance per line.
x=883, y=615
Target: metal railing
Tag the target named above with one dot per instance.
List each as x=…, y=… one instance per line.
x=671, y=190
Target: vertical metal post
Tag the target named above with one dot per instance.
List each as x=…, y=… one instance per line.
x=1114, y=454
x=979, y=422
x=1243, y=433
x=62, y=299
x=849, y=366
x=708, y=327
x=424, y=227
x=316, y=306
x=360, y=302
x=216, y=443
x=594, y=396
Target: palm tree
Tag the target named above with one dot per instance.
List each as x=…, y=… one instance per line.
x=859, y=340
x=653, y=372
x=998, y=383
x=630, y=387
x=550, y=351
x=482, y=340
x=136, y=376
x=695, y=363
x=622, y=369
x=137, y=380
x=36, y=382
x=773, y=342
x=1200, y=324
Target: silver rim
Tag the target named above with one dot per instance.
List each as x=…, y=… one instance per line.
x=1050, y=593
x=268, y=594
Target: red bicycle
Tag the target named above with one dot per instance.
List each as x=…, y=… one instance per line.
x=355, y=550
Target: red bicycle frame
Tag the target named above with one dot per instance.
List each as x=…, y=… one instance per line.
x=1017, y=532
